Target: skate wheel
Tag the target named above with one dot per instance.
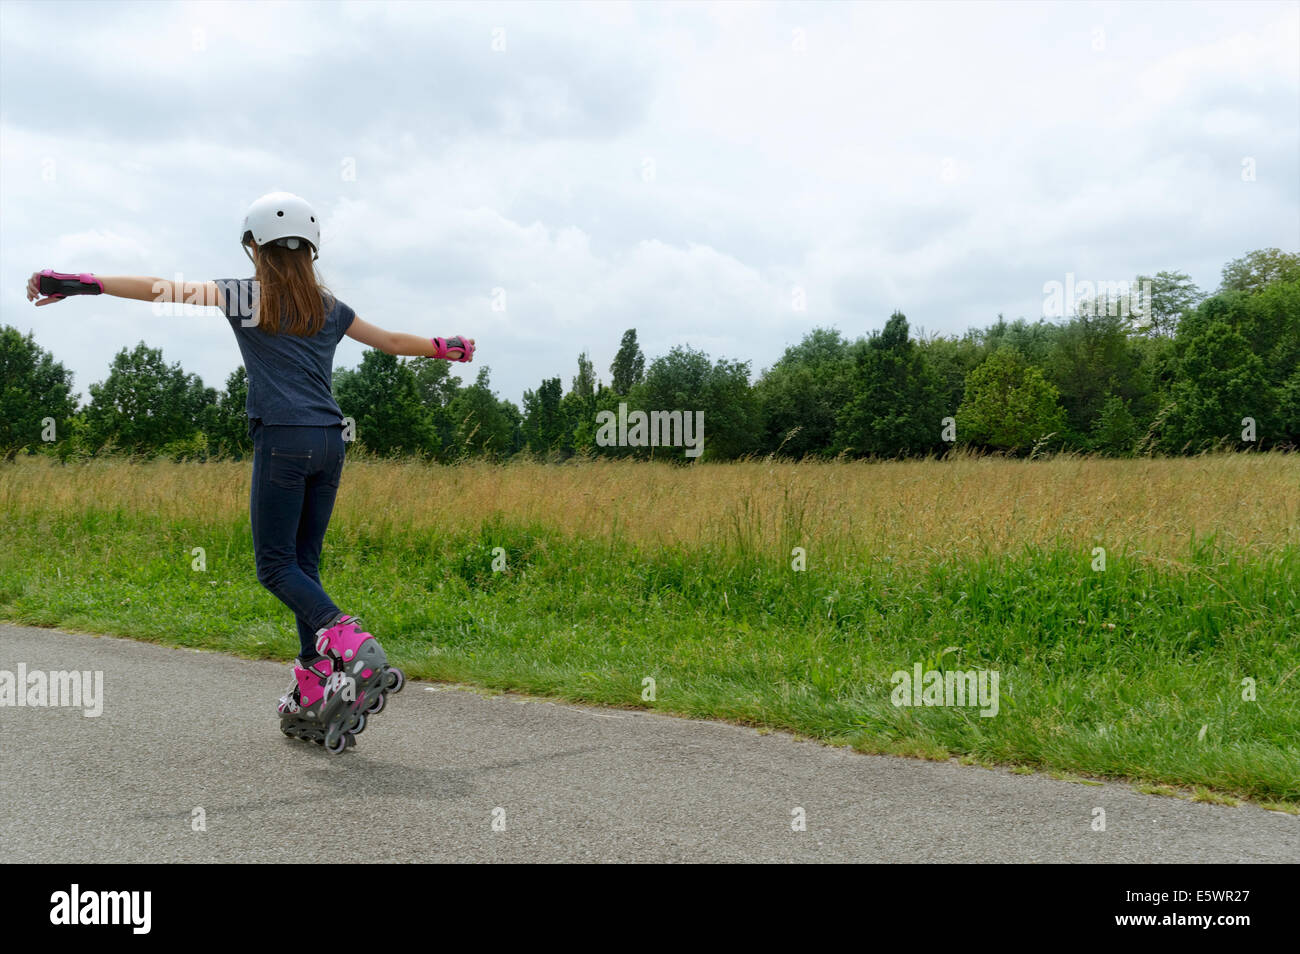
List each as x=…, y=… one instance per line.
x=288, y=731
x=396, y=680
x=377, y=704
x=338, y=746
x=360, y=725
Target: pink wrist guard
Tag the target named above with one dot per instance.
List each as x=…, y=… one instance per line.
x=442, y=347
x=61, y=285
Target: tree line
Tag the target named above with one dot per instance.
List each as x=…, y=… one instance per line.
x=1182, y=371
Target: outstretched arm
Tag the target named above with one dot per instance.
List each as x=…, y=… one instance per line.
x=124, y=286
x=395, y=342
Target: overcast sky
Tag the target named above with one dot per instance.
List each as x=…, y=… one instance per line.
x=723, y=175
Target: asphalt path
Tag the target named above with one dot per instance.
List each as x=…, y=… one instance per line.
x=186, y=763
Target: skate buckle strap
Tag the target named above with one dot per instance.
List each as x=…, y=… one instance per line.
x=344, y=626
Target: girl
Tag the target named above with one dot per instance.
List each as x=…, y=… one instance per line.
x=287, y=325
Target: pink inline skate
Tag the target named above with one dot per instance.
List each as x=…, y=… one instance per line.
x=331, y=698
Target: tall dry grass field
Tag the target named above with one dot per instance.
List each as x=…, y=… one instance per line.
x=908, y=511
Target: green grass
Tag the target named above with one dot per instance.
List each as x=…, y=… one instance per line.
x=1103, y=674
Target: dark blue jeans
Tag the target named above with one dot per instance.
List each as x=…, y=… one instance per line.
x=296, y=474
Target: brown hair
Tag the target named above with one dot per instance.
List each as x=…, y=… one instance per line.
x=292, y=298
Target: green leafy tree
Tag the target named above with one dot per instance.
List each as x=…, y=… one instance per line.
x=484, y=424
x=1220, y=381
x=628, y=368
x=685, y=380
x=1115, y=431
x=545, y=428
x=950, y=360
x=1093, y=358
x=1257, y=270
x=800, y=397
x=1172, y=294
x=1233, y=358
x=678, y=380
x=144, y=405
x=383, y=398
x=608, y=400
x=1009, y=405
x=1288, y=410
x=226, y=422
x=731, y=416
x=1270, y=321
x=438, y=388
x=514, y=424
x=579, y=407
x=896, y=407
x=1033, y=341
x=33, y=387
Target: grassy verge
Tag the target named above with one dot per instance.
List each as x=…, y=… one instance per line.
x=1143, y=670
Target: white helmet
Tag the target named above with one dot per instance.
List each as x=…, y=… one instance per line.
x=282, y=218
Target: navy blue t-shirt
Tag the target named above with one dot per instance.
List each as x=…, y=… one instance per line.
x=290, y=377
